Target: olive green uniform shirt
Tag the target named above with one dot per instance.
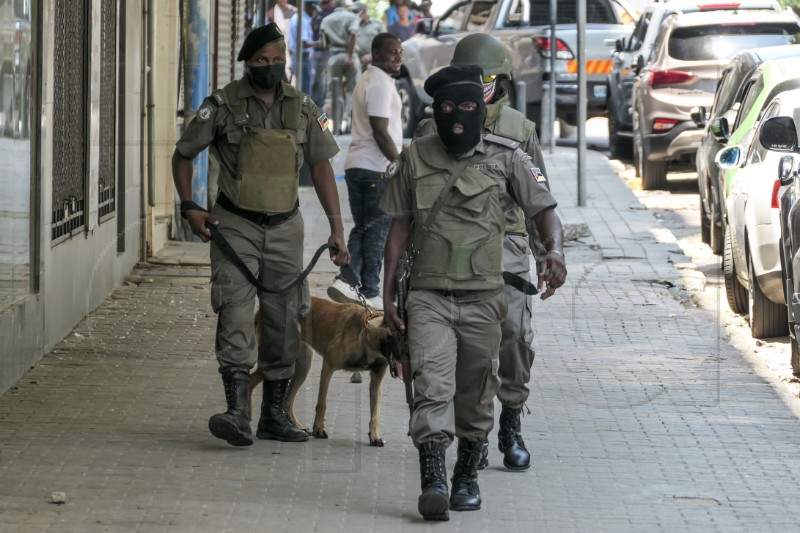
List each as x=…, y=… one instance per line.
x=515, y=220
x=521, y=184
x=214, y=127
x=337, y=28
x=366, y=33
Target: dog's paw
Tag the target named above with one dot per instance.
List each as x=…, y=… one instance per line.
x=320, y=434
x=377, y=441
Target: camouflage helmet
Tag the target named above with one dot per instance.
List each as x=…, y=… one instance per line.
x=485, y=51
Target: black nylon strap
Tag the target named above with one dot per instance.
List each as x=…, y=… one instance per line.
x=520, y=283
x=230, y=253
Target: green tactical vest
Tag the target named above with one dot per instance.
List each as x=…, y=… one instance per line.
x=464, y=248
x=267, y=169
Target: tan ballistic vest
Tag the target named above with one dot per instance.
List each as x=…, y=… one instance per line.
x=267, y=169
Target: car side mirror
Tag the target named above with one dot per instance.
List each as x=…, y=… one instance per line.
x=619, y=44
x=778, y=134
x=425, y=26
x=787, y=169
x=698, y=115
x=720, y=130
x=728, y=158
x=638, y=64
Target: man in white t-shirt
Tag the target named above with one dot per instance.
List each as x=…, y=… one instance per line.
x=377, y=140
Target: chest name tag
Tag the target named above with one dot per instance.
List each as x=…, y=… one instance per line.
x=486, y=166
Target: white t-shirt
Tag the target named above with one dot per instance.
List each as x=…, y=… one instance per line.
x=375, y=95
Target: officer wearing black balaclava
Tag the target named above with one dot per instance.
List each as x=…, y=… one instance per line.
x=448, y=198
x=261, y=131
x=458, y=107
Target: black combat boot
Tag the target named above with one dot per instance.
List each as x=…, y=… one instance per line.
x=484, y=462
x=234, y=424
x=509, y=440
x=432, y=503
x=275, y=423
x=465, y=494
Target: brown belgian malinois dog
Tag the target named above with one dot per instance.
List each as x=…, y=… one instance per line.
x=348, y=337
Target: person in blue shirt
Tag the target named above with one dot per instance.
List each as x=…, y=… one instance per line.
x=307, y=47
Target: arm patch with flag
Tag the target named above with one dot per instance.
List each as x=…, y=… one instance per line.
x=323, y=121
x=537, y=175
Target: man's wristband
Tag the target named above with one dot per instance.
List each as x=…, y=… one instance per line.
x=189, y=205
x=559, y=252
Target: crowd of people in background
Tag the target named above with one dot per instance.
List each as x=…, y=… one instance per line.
x=339, y=48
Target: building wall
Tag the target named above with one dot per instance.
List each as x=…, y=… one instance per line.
x=77, y=275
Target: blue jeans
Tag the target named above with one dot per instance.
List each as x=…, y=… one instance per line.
x=371, y=225
x=308, y=73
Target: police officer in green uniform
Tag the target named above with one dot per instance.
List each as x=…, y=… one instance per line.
x=516, y=349
x=261, y=130
x=456, y=303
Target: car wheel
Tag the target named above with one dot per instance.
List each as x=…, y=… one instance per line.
x=620, y=147
x=637, y=148
x=705, y=224
x=795, y=352
x=653, y=174
x=767, y=319
x=736, y=293
x=408, y=114
x=715, y=241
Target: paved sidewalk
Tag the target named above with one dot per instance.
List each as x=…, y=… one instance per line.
x=641, y=418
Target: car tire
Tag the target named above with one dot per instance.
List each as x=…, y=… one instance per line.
x=408, y=107
x=653, y=174
x=620, y=147
x=795, y=352
x=705, y=224
x=767, y=319
x=716, y=231
x=735, y=292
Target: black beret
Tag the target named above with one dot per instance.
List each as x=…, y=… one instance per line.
x=454, y=75
x=258, y=38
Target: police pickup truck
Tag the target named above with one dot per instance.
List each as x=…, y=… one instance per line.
x=523, y=26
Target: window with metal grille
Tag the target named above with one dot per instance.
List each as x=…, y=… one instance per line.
x=108, y=110
x=70, y=117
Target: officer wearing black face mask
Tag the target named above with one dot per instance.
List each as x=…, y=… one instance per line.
x=448, y=199
x=260, y=130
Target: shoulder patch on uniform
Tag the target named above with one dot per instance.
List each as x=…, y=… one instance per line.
x=524, y=158
x=537, y=175
x=218, y=97
x=323, y=121
x=204, y=113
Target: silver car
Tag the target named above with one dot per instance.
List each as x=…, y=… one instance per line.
x=684, y=67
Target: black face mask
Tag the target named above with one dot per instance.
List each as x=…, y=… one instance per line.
x=267, y=77
x=471, y=120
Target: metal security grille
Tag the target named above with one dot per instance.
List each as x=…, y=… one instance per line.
x=108, y=108
x=70, y=102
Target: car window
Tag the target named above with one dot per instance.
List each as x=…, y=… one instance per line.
x=758, y=152
x=639, y=31
x=453, y=21
x=479, y=15
x=726, y=92
x=567, y=12
x=751, y=92
x=623, y=14
x=704, y=43
x=515, y=17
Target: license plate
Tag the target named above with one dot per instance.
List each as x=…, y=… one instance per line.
x=599, y=91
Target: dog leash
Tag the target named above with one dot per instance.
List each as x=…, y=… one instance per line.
x=347, y=273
